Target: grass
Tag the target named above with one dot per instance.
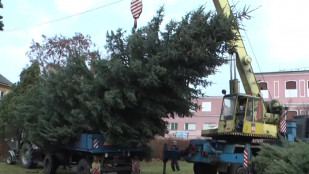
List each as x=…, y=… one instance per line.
x=154, y=167
x=17, y=169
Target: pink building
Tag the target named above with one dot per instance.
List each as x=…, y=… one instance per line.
x=205, y=118
x=291, y=88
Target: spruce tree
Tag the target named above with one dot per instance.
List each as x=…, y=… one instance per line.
x=287, y=158
x=29, y=79
x=149, y=75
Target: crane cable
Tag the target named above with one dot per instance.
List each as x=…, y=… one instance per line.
x=251, y=48
x=67, y=17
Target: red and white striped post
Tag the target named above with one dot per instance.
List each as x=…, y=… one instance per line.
x=136, y=169
x=282, y=125
x=246, y=158
x=95, y=143
x=136, y=10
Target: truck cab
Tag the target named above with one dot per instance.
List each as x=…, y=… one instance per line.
x=242, y=115
x=238, y=110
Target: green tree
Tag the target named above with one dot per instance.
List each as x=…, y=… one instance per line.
x=53, y=52
x=289, y=158
x=29, y=79
x=58, y=111
x=149, y=75
x=1, y=22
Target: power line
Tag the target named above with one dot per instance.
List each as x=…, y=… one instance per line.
x=67, y=17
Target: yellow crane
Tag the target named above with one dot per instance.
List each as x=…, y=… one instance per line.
x=244, y=118
x=246, y=115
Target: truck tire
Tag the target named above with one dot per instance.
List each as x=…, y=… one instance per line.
x=201, y=168
x=9, y=159
x=198, y=168
x=50, y=164
x=83, y=167
x=237, y=169
x=27, y=156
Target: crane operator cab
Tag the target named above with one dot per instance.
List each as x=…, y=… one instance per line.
x=243, y=115
x=238, y=110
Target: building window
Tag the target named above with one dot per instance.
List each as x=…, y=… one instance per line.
x=206, y=106
x=190, y=126
x=210, y=126
x=291, y=115
x=302, y=112
x=264, y=89
x=173, y=126
x=290, y=89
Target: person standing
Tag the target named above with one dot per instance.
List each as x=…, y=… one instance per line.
x=174, y=161
x=164, y=158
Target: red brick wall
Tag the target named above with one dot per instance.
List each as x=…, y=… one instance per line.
x=157, y=145
x=3, y=150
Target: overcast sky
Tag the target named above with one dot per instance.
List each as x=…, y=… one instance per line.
x=278, y=30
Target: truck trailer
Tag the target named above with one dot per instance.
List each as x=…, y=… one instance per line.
x=89, y=153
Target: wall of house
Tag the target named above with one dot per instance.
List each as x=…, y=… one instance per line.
x=3, y=90
x=207, y=116
x=290, y=88
x=5, y=86
x=277, y=86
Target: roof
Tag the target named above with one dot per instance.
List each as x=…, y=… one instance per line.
x=283, y=72
x=4, y=81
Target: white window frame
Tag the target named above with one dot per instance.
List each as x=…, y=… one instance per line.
x=265, y=93
x=209, y=126
x=1, y=94
x=206, y=106
x=189, y=128
x=304, y=88
x=172, y=125
x=291, y=93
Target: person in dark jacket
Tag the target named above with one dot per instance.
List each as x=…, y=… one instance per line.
x=174, y=162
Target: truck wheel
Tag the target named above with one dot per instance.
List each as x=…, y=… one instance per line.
x=212, y=169
x=83, y=167
x=9, y=159
x=26, y=156
x=50, y=164
x=237, y=169
x=200, y=168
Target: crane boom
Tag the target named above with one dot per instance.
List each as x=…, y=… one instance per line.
x=245, y=119
x=243, y=61
x=245, y=115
